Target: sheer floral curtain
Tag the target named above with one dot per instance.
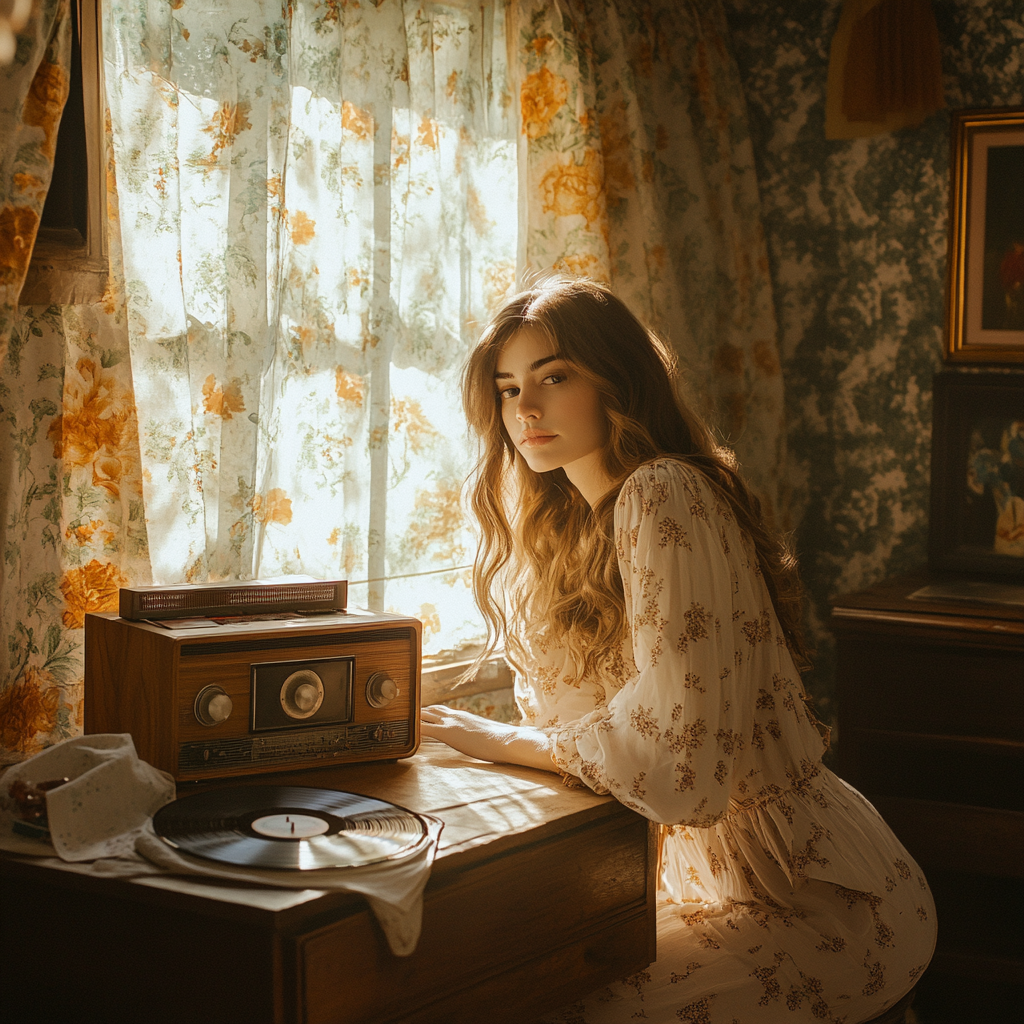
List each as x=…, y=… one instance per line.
x=637, y=168
x=318, y=210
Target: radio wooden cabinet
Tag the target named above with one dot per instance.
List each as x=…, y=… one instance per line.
x=252, y=697
x=931, y=730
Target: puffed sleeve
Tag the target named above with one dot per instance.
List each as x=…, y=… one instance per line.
x=667, y=744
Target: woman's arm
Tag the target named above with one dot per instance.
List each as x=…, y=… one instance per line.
x=487, y=740
x=668, y=744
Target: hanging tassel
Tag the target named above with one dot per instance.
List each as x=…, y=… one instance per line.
x=885, y=68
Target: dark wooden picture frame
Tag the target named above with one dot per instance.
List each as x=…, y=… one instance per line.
x=977, y=501
x=984, y=314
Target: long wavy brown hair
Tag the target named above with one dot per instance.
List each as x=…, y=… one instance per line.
x=546, y=560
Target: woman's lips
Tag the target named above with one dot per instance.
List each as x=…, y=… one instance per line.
x=536, y=440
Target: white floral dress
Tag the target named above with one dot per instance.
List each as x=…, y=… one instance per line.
x=784, y=896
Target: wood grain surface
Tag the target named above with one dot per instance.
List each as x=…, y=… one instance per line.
x=538, y=895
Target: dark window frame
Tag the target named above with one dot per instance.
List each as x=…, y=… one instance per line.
x=68, y=267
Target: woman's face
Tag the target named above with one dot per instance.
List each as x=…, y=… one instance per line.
x=554, y=417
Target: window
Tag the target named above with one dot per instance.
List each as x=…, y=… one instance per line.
x=69, y=261
x=318, y=210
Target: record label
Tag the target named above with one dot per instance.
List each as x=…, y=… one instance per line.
x=290, y=827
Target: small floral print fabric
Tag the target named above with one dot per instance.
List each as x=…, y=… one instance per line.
x=785, y=897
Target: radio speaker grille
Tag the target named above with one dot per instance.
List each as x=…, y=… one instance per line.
x=209, y=599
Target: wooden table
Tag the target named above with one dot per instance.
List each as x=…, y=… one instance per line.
x=931, y=730
x=538, y=895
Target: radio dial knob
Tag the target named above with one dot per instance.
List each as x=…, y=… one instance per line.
x=381, y=690
x=302, y=694
x=305, y=696
x=212, y=706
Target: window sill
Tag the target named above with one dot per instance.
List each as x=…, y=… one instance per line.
x=62, y=271
x=439, y=681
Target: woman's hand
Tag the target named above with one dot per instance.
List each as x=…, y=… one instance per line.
x=485, y=739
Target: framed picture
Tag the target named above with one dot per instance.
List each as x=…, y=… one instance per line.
x=977, y=507
x=985, y=285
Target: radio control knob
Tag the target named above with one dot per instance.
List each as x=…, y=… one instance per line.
x=381, y=690
x=212, y=706
x=305, y=696
x=302, y=694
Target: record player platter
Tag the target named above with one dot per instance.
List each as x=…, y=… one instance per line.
x=290, y=827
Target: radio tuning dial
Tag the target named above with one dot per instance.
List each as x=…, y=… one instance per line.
x=212, y=706
x=381, y=690
x=302, y=694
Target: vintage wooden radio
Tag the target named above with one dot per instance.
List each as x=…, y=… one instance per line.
x=239, y=695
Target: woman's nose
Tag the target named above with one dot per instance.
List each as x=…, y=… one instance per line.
x=526, y=407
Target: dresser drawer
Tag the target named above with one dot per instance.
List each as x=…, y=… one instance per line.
x=923, y=683
x=492, y=921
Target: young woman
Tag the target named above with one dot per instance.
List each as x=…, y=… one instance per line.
x=655, y=626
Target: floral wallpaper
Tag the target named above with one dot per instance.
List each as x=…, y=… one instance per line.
x=857, y=248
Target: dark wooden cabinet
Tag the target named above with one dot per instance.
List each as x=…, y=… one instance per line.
x=931, y=730
x=538, y=895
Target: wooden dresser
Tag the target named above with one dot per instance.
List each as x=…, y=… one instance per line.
x=538, y=895
x=931, y=730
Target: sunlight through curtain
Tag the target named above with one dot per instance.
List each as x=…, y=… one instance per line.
x=318, y=212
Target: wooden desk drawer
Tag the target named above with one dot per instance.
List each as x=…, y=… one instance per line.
x=917, y=685
x=980, y=771
x=594, y=880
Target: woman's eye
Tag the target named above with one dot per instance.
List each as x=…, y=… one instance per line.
x=554, y=378
x=508, y=393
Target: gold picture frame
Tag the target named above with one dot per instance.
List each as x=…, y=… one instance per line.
x=985, y=314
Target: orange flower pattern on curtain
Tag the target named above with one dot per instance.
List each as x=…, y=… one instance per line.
x=72, y=525
x=33, y=88
x=639, y=172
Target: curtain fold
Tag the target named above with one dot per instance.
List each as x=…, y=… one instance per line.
x=638, y=170
x=33, y=89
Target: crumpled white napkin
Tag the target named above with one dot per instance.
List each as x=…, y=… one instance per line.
x=104, y=815
x=111, y=795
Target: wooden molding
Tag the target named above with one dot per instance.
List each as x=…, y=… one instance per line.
x=439, y=682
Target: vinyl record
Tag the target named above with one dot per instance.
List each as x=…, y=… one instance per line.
x=290, y=827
